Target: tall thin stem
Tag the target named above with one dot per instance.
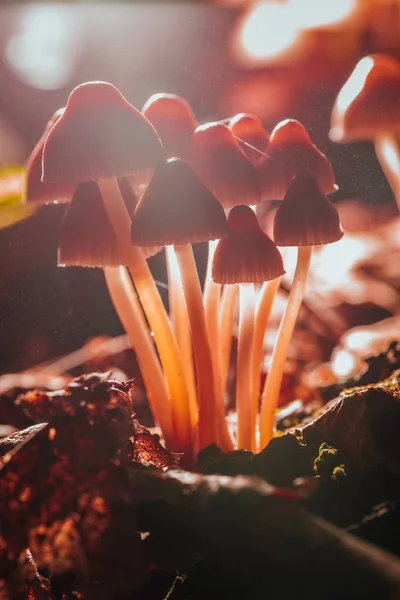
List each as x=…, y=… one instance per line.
x=212, y=294
x=270, y=395
x=130, y=314
x=388, y=154
x=263, y=311
x=227, y=320
x=244, y=380
x=155, y=312
x=181, y=326
x=208, y=413
x=212, y=298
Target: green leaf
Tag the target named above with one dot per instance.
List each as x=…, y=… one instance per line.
x=12, y=188
x=10, y=215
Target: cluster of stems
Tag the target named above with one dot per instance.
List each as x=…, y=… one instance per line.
x=201, y=184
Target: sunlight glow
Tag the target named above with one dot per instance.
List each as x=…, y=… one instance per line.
x=270, y=29
x=357, y=340
x=343, y=363
x=267, y=31
x=42, y=50
x=310, y=14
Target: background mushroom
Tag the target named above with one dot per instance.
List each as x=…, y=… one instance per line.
x=367, y=108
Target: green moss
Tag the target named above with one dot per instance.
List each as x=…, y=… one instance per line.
x=328, y=465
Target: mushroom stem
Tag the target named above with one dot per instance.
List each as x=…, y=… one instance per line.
x=244, y=380
x=263, y=310
x=129, y=311
x=209, y=421
x=388, y=154
x=181, y=326
x=155, y=312
x=212, y=297
x=270, y=395
x=227, y=318
x=212, y=294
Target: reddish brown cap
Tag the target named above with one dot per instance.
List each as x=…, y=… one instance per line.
x=306, y=217
x=99, y=135
x=247, y=254
x=290, y=153
x=174, y=122
x=177, y=208
x=250, y=133
x=45, y=193
x=369, y=102
x=87, y=238
x=223, y=167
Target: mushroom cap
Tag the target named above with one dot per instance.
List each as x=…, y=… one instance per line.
x=249, y=131
x=177, y=208
x=369, y=101
x=247, y=255
x=174, y=122
x=290, y=153
x=99, y=135
x=306, y=217
x=223, y=167
x=87, y=238
x=36, y=191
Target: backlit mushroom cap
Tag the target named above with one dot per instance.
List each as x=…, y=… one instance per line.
x=99, y=135
x=36, y=190
x=249, y=131
x=247, y=255
x=223, y=167
x=306, y=217
x=87, y=238
x=174, y=122
x=290, y=153
x=369, y=102
x=177, y=208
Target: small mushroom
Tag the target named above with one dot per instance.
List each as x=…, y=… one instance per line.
x=174, y=122
x=87, y=239
x=223, y=167
x=178, y=209
x=305, y=218
x=251, y=135
x=290, y=153
x=367, y=108
x=245, y=257
x=99, y=137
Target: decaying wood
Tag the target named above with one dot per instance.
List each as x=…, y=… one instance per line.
x=78, y=490
x=242, y=528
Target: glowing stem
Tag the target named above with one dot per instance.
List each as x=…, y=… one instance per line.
x=181, y=326
x=208, y=415
x=227, y=320
x=212, y=294
x=244, y=380
x=212, y=297
x=270, y=395
x=388, y=154
x=130, y=314
x=156, y=315
x=263, y=311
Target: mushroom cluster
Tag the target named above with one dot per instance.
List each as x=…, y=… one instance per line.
x=136, y=181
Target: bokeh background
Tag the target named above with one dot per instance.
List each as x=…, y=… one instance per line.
x=275, y=59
